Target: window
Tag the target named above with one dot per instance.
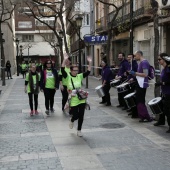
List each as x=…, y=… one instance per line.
x=24, y=24
x=27, y=38
x=87, y=19
x=49, y=37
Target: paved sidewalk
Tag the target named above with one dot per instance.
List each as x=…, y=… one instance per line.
x=111, y=140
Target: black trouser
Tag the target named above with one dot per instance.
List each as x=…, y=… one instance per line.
x=106, y=89
x=49, y=98
x=24, y=73
x=78, y=113
x=121, y=98
x=166, y=110
x=64, y=96
x=9, y=73
x=30, y=95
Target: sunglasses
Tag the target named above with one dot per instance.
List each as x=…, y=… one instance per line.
x=49, y=63
x=75, y=70
x=159, y=59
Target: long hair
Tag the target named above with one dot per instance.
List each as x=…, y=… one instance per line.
x=45, y=64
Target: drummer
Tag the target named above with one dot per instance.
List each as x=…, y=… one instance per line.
x=142, y=73
x=133, y=65
x=164, y=61
x=122, y=75
x=106, y=77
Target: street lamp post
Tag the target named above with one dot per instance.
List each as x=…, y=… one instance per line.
x=17, y=43
x=29, y=46
x=131, y=26
x=79, y=24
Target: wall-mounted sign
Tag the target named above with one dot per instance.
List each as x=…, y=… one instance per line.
x=98, y=39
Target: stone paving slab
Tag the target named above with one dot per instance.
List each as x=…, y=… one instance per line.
x=40, y=164
x=15, y=146
x=152, y=159
x=121, y=137
x=21, y=128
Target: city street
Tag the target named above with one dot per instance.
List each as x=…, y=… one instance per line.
x=111, y=139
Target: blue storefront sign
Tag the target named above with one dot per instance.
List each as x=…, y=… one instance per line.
x=98, y=39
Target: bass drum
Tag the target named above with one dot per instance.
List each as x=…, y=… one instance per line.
x=156, y=105
x=115, y=83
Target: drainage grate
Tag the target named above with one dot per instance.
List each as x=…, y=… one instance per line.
x=113, y=125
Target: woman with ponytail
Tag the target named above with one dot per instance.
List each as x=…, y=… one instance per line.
x=32, y=83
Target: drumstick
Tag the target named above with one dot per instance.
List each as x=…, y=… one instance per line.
x=125, y=81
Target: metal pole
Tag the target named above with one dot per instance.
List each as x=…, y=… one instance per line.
x=17, y=61
x=28, y=54
x=3, y=64
x=79, y=53
x=131, y=26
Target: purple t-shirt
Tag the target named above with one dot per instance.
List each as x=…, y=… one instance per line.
x=165, y=77
x=144, y=65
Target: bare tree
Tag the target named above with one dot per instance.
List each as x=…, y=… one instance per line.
x=154, y=5
x=54, y=9
x=6, y=12
x=110, y=28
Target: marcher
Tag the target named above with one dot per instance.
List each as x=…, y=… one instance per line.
x=49, y=83
x=24, y=69
x=63, y=83
x=164, y=61
x=133, y=65
x=142, y=72
x=75, y=82
x=106, y=77
x=122, y=76
x=32, y=83
x=8, y=69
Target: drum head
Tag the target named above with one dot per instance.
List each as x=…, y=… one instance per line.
x=98, y=87
x=114, y=81
x=122, y=85
x=154, y=101
x=129, y=95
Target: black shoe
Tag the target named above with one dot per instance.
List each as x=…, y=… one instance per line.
x=108, y=104
x=119, y=106
x=102, y=102
x=129, y=110
x=133, y=116
x=141, y=120
x=125, y=108
x=158, y=124
x=129, y=114
x=168, y=131
x=11, y=78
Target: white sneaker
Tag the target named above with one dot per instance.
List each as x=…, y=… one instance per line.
x=47, y=112
x=71, y=124
x=79, y=133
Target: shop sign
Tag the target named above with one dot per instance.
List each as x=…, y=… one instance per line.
x=98, y=39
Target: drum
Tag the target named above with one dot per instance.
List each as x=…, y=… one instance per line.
x=130, y=100
x=115, y=83
x=123, y=87
x=156, y=105
x=99, y=91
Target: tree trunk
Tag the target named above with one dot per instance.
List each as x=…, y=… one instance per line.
x=156, y=53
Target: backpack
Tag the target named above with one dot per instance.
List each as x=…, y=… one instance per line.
x=151, y=74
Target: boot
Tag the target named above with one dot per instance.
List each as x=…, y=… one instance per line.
x=168, y=131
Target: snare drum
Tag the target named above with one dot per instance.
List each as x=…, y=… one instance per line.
x=99, y=91
x=130, y=100
x=115, y=83
x=123, y=87
x=156, y=105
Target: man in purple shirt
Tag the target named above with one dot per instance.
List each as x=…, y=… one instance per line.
x=122, y=75
x=142, y=72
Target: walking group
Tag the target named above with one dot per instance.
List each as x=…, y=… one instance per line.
x=132, y=81
x=48, y=81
